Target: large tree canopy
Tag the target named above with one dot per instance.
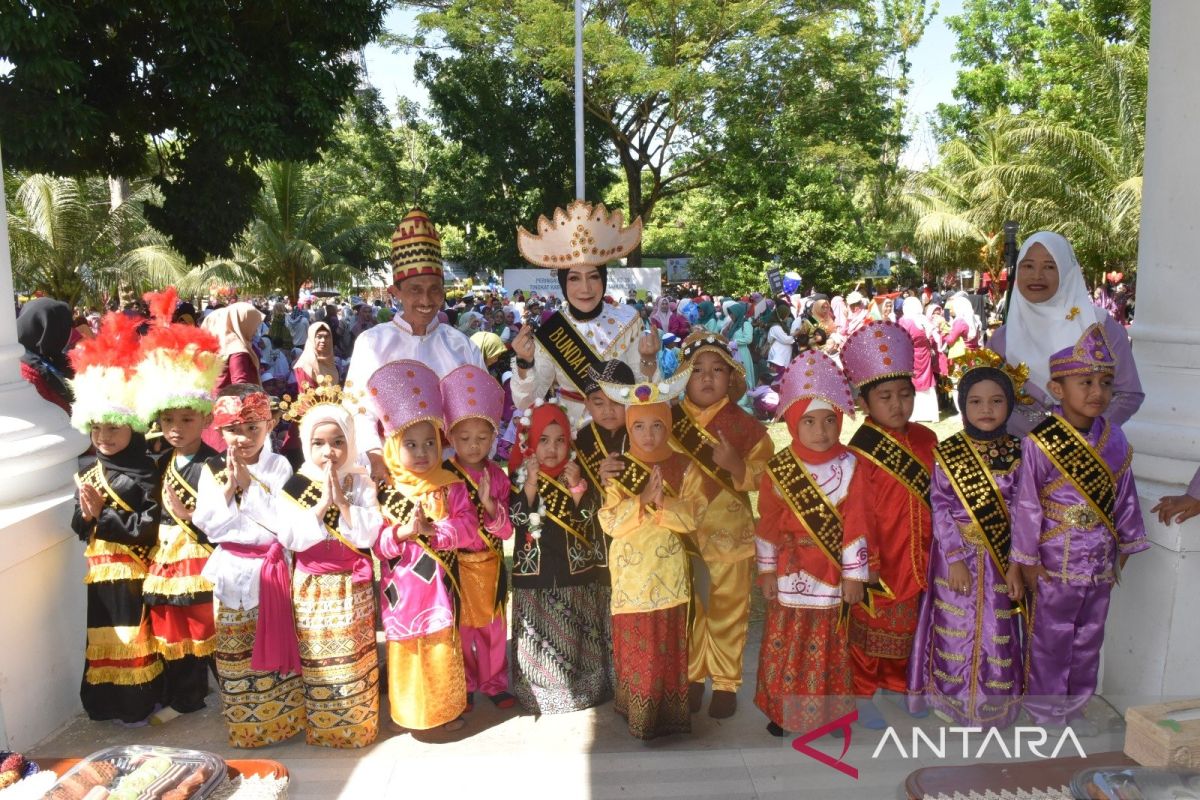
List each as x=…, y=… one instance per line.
x=207, y=88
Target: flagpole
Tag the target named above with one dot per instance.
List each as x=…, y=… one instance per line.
x=579, y=180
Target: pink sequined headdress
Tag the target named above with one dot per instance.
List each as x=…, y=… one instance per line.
x=877, y=352
x=814, y=375
x=1090, y=354
x=403, y=393
x=471, y=393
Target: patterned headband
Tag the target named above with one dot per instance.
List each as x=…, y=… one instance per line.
x=233, y=410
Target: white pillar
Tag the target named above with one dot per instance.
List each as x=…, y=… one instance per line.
x=41, y=562
x=1152, y=646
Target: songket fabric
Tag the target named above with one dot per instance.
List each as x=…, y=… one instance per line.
x=334, y=606
x=650, y=651
x=123, y=673
x=560, y=614
x=899, y=530
x=725, y=539
x=651, y=583
x=179, y=598
x=426, y=683
x=260, y=708
x=1058, y=527
x=966, y=658
x=805, y=678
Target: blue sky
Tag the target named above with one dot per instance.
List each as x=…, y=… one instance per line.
x=932, y=75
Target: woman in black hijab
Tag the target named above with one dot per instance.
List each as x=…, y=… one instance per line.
x=43, y=329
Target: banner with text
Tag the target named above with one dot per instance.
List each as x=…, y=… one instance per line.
x=622, y=282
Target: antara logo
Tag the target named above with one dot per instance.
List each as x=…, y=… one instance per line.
x=923, y=745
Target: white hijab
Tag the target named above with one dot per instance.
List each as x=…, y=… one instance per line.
x=1035, y=331
x=913, y=310
x=960, y=304
x=320, y=414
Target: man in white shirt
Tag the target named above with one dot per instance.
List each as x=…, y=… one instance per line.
x=416, y=333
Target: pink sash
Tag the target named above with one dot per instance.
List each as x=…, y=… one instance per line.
x=275, y=645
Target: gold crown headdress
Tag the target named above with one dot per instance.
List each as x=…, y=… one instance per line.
x=974, y=359
x=581, y=236
x=644, y=392
x=324, y=392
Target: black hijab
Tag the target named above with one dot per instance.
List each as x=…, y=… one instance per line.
x=583, y=316
x=134, y=461
x=973, y=377
x=43, y=329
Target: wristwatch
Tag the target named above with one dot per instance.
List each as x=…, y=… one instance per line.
x=524, y=364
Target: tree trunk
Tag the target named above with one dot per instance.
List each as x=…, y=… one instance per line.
x=633, y=177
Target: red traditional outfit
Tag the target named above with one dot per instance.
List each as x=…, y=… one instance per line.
x=894, y=516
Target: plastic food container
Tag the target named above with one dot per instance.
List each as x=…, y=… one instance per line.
x=141, y=772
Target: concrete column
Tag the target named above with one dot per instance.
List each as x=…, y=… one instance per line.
x=1152, y=646
x=41, y=562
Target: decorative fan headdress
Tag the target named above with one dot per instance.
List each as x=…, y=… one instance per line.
x=973, y=359
x=323, y=392
x=646, y=393
x=582, y=235
x=179, y=363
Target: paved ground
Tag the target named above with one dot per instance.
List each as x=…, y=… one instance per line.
x=589, y=754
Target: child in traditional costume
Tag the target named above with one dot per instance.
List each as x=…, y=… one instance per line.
x=473, y=403
x=731, y=448
x=116, y=513
x=895, y=457
x=240, y=505
x=648, y=510
x=178, y=372
x=334, y=520
x=809, y=567
x=1075, y=522
x=966, y=659
x=427, y=515
x=560, y=656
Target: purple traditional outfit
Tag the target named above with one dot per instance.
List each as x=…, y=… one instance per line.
x=966, y=659
x=1077, y=535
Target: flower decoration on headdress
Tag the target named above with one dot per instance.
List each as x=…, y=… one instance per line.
x=233, y=409
x=701, y=341
x=582, y=235
x=983, y=357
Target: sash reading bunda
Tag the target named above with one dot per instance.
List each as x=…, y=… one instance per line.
x=819, y=517
x=698, y=443
x=569, y=349
x=972, y=480
x=881, y=449
x=306, y=493
x=173, y=479
x=94, y=477
x=398, y=510
x=1082, y=465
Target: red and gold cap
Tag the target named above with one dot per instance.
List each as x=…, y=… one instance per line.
x=416, y=247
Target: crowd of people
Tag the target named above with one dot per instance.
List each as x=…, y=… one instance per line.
x=616, y=445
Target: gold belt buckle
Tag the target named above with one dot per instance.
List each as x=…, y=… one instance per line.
x=1082, y=517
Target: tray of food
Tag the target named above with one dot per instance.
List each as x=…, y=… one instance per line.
x=141, y=772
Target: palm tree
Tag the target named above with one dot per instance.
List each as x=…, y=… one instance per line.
x=69, y=242
x=301, y=232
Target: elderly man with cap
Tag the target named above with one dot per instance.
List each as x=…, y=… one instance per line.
x=416, y=333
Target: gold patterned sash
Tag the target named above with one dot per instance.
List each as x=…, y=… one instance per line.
x=633, y=478
x=173, y=479
x=590, y=447
x=95, y=478
x=491, y=540
x=306, y=493
x=698, y=443
x=559, y=505
x=977, y=490
x=819, y=517
x=1080, y=464
x=398, y=510
x=873, y=443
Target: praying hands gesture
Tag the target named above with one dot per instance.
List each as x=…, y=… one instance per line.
x=652, y=495
x=176, y=506
x=239, y=478
x=332, y=494
x=90, y=502
x=612, y=466
x=486, y=501
x=727, y=458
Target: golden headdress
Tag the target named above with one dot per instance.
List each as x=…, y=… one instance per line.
x=583, y=235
